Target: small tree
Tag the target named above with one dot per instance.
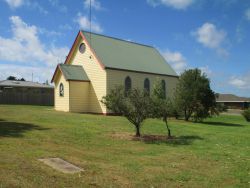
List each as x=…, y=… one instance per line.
x=246, y=114
x=161, y=106
x=194, y=96
x=135, y=106
x=22, y=79
x=11, y=78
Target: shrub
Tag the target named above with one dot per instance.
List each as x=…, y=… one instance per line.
x=194, y=97
x=135, y=106
x=246, y=114
x=221, y=107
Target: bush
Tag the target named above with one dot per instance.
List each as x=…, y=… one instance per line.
x=246, y=114
x=135, y=106
x=221, y=107
x=193, y=96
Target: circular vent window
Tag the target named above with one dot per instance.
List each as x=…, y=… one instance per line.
x=82, y=48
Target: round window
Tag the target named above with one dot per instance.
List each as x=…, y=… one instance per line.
x=82, y=48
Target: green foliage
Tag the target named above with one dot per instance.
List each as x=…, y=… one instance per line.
x=11, y=78
x=221, y=107
x=194, y=97
x=136, y=106
x=246, y=114
x=161, y=106
x=14, y=78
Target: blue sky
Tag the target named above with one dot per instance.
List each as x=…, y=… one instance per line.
x=212, y=35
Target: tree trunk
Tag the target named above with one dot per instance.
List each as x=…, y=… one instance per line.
x=165, y=119
x=138, y=134
x=185, y=114
x=169, y=131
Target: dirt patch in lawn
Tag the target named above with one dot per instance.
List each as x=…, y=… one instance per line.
x=151, y=139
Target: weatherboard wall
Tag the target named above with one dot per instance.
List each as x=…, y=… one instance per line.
x=96, y=74
x=61, y=102
x=117, y=78
x=79, y=96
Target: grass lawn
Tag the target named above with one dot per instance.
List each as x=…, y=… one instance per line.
x=215, y=153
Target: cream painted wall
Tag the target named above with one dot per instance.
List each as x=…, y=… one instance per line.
x=96, y=74
x=79, y=96
x=61, y=103
x=117, y=77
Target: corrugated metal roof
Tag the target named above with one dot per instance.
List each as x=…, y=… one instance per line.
x=12, y=83
x=121, y=54
x=73, y=72
x=231, y=98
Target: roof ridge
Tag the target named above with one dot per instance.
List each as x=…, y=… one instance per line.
x=116, y=38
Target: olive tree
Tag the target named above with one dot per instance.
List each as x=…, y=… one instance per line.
x=134, y=105
x=162, y=107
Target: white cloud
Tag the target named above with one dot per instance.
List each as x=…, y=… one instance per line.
x=24, y=48
x=65, y=27
x=34, y=5
x=240, y=82
x=177, y=4
x=175, y=59
x=206, y=70
x=95, y=4
x=49, y=33
x=247, y=14
x=40, y=74
x=14, y=3
x=209, y=36
x=84, y=23
x=58, y=5
x=31, y=4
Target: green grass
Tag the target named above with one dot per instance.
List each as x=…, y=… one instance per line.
x=215, y=153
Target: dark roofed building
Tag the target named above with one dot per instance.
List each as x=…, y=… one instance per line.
x=26, y=92
x=233, y=101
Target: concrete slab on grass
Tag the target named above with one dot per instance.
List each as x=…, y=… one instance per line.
x=61, y=165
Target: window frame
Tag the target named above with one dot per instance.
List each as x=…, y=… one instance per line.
x=163, y=85
x=147, y=86
x=82, y=51
x=61, y=90
x=127, y=84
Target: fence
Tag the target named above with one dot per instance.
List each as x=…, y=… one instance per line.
x=27, y=96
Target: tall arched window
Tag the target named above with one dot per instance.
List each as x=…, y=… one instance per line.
x=163, y=85
x=147, y=86
x=127, y=85
x=61, y=90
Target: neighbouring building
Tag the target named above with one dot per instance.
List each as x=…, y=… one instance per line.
x=97, y=63
x=233, y=101
x=26, y=92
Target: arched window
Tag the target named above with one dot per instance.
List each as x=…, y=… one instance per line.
x=163, y=85
x=147, y=86
x=127, y=85
x=61, y=90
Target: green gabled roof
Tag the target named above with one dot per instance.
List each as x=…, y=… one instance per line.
x=73, y=72
x=121, y=54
